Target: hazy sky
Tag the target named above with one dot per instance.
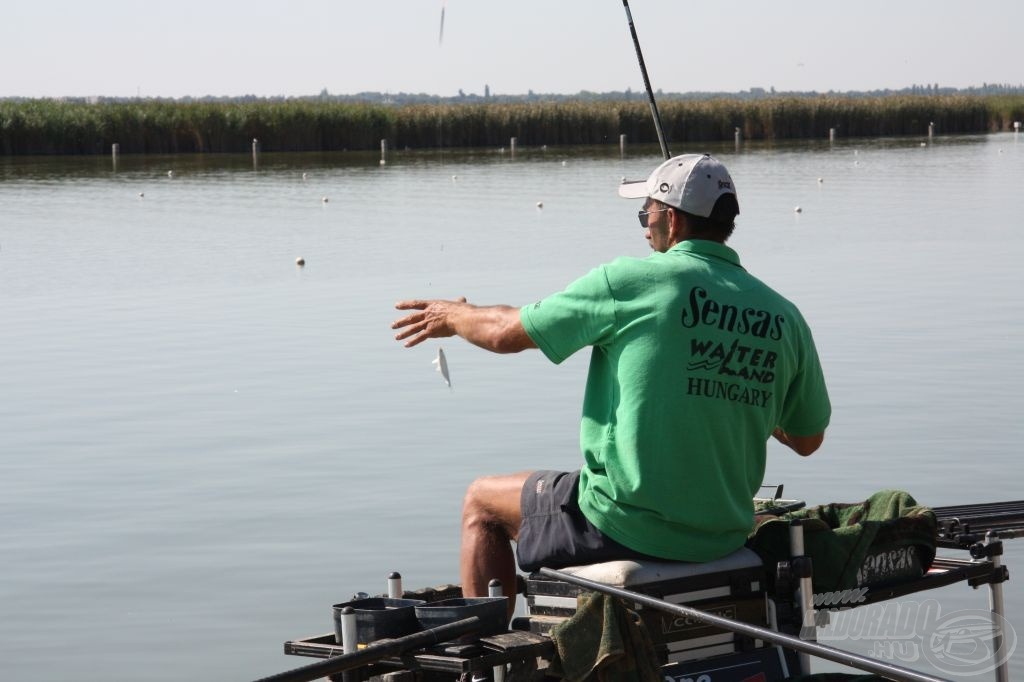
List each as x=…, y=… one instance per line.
x=173, y=48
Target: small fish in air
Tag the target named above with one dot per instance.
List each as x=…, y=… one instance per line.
x=441, y=363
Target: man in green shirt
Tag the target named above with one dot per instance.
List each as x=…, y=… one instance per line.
x=695, y=364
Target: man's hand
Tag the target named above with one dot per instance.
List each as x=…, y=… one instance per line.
x=435, y=319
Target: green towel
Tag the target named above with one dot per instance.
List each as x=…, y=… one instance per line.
x=854, y=545
x=603, y=642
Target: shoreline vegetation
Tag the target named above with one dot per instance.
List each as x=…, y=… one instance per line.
x=46, y=126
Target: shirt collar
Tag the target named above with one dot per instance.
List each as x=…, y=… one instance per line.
x=703, y=248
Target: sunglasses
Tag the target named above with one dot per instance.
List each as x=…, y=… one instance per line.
x=642, y=215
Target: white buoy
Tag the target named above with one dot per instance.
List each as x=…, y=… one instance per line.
x=821, y=180
x=924, y=144
x=455, y=178
x=170, y=174
x=798, y=210
x=323, y=200
x=300, y=261
x=540, y=204
x=142, y=194
x=564, y=163
x=305, y=176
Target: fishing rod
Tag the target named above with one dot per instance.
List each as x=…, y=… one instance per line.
x=888, y=671
x=647, y=83
x=378, y=650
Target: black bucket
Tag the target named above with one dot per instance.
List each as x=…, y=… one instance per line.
x=379, y=618
x=492, y=612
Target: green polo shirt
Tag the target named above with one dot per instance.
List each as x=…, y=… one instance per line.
x=694, y=363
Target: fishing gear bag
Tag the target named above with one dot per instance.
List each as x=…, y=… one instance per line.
x=885, y=539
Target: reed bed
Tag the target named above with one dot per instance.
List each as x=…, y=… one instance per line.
x=59, y=127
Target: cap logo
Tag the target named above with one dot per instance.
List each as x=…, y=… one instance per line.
x=664, y=188
x=724, y=184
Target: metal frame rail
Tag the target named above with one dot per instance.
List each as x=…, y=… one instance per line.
x=961, y=526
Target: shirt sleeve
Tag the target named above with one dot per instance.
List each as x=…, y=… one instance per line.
x=807, y=409
x=581, y=315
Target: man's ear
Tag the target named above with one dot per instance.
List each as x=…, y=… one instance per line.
x=677, y=227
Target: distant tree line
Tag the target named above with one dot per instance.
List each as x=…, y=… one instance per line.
x=628, y=95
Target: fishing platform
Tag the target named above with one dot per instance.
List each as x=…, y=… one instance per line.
x=749, y=616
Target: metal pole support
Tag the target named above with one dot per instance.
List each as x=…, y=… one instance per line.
x=995, y=550
x=494, y=589
x=349, y=640
x=802, y=571
x=395, y=585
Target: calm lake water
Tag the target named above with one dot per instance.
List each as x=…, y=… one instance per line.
x=204, y=447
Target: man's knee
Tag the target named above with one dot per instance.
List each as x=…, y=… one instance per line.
x=494, y=501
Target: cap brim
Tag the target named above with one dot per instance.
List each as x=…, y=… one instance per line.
x=633, y=189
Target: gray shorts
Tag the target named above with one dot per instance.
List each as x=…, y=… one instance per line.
x=554, y=532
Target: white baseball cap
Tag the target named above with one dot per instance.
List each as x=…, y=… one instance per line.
x=690, y=182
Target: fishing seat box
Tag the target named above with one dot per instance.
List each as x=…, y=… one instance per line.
x=732, y=587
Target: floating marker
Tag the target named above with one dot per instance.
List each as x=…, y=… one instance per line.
x=820, y=180
x=540, y=204
x=798, y=210
x=305, y=176
x=323, y=200
x=300, y=261
x=170, y=174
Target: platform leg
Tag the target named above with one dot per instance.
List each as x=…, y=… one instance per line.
x=995, y=600
x=802, y=570
x=494, y=589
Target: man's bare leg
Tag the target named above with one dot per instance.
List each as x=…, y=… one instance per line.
x=490, y=522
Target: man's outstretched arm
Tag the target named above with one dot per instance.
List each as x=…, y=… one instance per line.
x=495, y=328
